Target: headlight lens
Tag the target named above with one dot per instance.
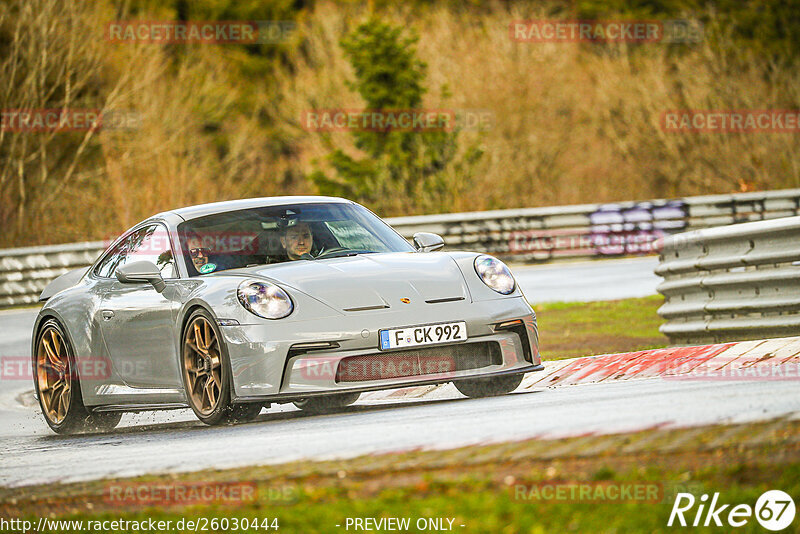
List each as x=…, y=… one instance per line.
x=265, y=300
x=495, y=274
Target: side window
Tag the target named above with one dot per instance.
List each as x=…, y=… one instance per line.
x=106, y=267
x=146, y=244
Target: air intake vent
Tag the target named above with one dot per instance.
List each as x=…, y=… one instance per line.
x=448, y=299
x=367, y=308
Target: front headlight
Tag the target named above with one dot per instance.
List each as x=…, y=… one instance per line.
x=495, y=274
x=265, y=300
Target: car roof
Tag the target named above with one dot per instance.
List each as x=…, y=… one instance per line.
x=193, y=212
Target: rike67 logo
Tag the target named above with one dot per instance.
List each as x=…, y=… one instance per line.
x=774, y=510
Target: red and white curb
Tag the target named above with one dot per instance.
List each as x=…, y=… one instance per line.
x=771, y=359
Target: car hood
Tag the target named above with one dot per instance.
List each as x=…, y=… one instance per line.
x=372, y=281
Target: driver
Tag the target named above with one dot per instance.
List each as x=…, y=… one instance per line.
x=297, y=240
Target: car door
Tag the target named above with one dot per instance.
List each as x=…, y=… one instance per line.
x=138, y=322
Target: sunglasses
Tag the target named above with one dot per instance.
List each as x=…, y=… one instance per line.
x=195, y=252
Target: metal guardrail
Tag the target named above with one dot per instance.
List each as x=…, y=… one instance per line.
x=521, y=235
x=595, y=230
x=24, y=272
x=732, y=283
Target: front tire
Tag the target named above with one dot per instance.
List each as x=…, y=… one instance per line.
x=58, y=386
x=206, y=374
x=489, y=387
x=328, y=403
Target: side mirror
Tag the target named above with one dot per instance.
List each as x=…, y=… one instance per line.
x=141, y=271
x=426, y=242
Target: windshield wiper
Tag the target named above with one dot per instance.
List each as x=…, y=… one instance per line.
x=345, y=254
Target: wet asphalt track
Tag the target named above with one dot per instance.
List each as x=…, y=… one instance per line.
x=161, y=443
x=176, y=441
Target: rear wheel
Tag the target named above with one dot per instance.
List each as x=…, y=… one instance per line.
x=327, y=403
x=58, y=385
x=489, y=387
x=205, y=371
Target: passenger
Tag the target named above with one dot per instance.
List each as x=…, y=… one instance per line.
x=203, y=260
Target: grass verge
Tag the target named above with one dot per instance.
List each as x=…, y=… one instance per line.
x=572, y=329
x=491, y=488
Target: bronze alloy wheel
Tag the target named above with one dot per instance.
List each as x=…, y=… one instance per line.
x=202, y=362
x=205, y=375
x=53, y=375
x=59, y=387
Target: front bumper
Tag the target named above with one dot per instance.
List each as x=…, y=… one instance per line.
x=266, y=364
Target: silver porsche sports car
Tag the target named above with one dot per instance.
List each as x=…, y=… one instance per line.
x=228, y=307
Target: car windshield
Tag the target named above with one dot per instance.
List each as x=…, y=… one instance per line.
x=277, y=234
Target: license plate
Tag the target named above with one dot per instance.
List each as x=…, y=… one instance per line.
x=414, y=336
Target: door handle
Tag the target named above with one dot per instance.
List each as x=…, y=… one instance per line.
x=107, y=315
